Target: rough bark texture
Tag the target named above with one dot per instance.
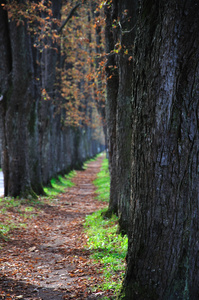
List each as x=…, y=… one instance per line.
x=111, y=102
x=126, y=33
x=34, y=158
x=99, y=49
x=120, y=33
x=163, y=261
x=5, y=62
x=15, y=105
x=18, y=111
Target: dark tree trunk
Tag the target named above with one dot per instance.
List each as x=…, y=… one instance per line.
x=127, y=10
x=99, y=50
x=5, y=73
x=33, y=123
x=111, y=103
x=15, y=107
x=120, y=33
x=16, y=116
x=49, y=116
x=163, y=260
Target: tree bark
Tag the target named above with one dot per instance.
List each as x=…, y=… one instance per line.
x=111, y=103
x=49, y=115
x=120, y=33
x=127, y=10
x=34, y=158
x=15, y=107
x=6, y=66
x=162, y=260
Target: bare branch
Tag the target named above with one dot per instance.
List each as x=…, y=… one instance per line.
x=68, y=18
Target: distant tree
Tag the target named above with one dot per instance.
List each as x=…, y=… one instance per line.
x=83, y=83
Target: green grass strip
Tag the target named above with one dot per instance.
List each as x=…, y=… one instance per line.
x=59, y=184
x=109, y=247
x=14, y=212
x=102, y=182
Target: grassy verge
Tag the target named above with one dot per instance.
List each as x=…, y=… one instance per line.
x=85, y=165
x=109, y=247
x=59, y=184
x=15, y=212
x=102, y=182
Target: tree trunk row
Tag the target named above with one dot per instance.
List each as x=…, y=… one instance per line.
x=36, y=145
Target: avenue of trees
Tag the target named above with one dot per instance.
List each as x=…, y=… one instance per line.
x=50, y=115
x=153, y=137
x=52, y=112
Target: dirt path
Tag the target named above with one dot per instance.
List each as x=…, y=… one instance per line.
x=47, y=260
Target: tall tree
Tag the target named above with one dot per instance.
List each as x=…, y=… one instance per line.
x=111, y=100
x=15, y=104
x=49, y=115
x=120, y=34
x=126, y=29
x=163, y=260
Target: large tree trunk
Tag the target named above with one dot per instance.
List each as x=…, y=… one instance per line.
x=21, y=158
x=163, y=261
x=120, y=33
x=6, y=66
x=127, y=10
x=15, y=107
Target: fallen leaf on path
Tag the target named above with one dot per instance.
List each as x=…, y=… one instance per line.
x=47, y=258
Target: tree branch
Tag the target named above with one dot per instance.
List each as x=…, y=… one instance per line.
x=68, y=18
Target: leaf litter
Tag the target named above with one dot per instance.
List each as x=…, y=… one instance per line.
x=47, y=259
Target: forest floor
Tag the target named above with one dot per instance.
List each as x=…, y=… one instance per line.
x=47, y=258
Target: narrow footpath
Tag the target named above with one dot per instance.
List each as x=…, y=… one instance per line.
x=47, y=259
